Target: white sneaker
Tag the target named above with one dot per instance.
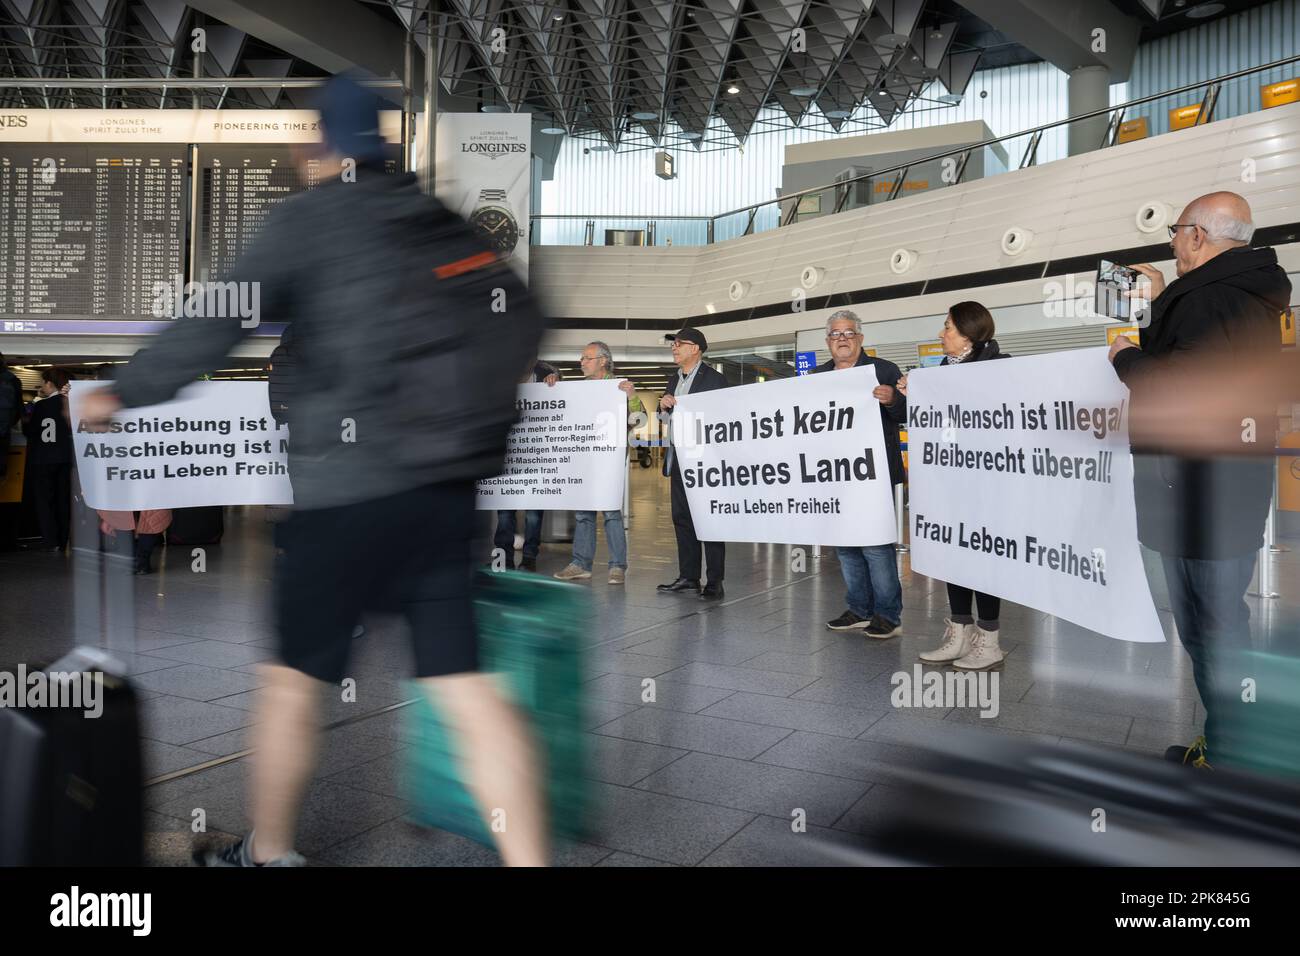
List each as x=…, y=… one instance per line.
x=984, y=652
x=573, y=572
x=617, y=575
x=956, y=643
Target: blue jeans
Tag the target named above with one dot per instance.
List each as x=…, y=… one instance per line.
x=584, y=539
x=505, y=535
x=1208, y=601
x=871, y=575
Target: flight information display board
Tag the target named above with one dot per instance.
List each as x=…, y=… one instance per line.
x=89, y=230
x=238, y=186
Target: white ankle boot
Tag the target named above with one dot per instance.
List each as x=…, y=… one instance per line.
x=956, y=643
x=984, y=652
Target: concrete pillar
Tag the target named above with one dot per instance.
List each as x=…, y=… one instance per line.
x=1088, y=90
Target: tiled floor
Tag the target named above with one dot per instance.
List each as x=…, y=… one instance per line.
x=759, y=711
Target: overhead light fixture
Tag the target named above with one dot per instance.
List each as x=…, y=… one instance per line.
x=881, y=93
x=552, y=130
x=692, y=134
x=803, y=91
x=952, y=99
x=1202, y=10
x=557, y=17
x=644, y=115
x=837, y=114
x=936, y=34
x=891, y=39
x=733, y=89
x=494, y=108
x=599, y=148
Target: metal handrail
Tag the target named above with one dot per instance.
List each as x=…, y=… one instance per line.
x=1208, y=100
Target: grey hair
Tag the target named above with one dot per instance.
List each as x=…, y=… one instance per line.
x=1220, y=227
x=842, y=314
x=602, y=351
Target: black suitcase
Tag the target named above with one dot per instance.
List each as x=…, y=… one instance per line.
x=71, y=783
x=197, y=525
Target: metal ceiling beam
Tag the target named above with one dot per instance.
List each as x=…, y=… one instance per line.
x=1063, y=33
x=334, y=35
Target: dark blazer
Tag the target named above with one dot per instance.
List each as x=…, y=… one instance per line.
x=1228, y=307
x=57, y=452
x=891, y=415
x=707, y=378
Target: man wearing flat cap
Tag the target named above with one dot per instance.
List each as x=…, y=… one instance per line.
x=693, y=376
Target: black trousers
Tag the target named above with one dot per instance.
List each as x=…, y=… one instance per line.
x=52, y=499
x=688, y=545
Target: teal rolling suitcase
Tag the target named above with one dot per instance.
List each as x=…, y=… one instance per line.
x=530, y=632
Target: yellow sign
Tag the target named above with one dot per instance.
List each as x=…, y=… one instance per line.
x=1184, y=116
x=1288, y=327
x=1279, y=94
x=1129, y=332
x=1288, y=474
x=870, y=352
x=931, y=353
x=1132, y=130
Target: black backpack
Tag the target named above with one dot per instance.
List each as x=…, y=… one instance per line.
x=468, y=328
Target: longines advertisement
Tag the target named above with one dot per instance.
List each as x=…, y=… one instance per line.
x=483, y=174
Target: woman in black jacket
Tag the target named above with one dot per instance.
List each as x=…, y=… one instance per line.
x=969, y=644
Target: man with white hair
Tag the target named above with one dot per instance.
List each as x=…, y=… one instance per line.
x=1205, y=516
x=597, y=363
x=875, y=594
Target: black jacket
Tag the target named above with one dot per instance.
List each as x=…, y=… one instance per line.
x=284, y=373
x=707, y=378
x=57, y=452
x=382, y=285
x=891, y=415
x=1228, y=307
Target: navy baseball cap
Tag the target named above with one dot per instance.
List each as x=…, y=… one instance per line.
x=349, y=115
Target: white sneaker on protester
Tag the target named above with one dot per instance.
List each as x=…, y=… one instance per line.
x=957, y=640
x=984, y=652
x=573, y=572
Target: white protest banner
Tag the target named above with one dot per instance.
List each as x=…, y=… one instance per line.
x=794, y=461
x=1022, y=486
x=216, y=444
x=567, y=452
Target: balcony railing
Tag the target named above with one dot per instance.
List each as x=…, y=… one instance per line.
x=1140, y=118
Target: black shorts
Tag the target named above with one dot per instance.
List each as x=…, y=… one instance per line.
x=411, y=550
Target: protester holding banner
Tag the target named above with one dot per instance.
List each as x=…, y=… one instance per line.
x=693, y=375
x=970, y=644
x=597, y=363
x=1206, y=516
x=875, y=595
x=503, y=540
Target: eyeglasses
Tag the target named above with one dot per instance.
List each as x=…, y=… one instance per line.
x=1173, y=230
x=843, y=334
x=677, y=344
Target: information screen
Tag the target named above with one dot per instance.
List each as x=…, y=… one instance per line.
x=238, y=185
x=89, y=230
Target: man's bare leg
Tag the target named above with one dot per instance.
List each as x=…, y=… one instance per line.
x=501, y=763
x=285, y=740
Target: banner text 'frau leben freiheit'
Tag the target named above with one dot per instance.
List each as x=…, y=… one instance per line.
x=567, y=452
x=217, y=444
x=1021, y=485
x=795, y=461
